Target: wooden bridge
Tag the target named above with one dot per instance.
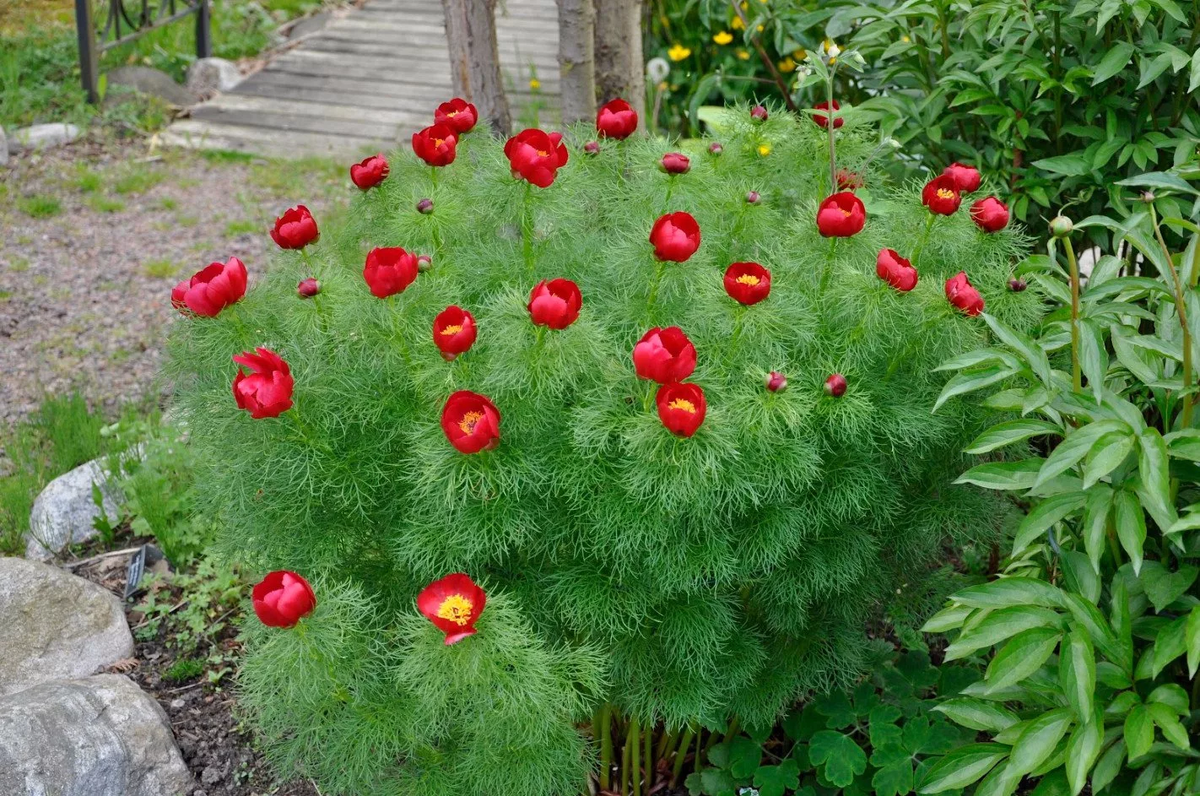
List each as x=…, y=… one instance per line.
x=371, y=78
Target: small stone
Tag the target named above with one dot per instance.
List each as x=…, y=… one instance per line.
x=177, y=704
x=309, y=25
x=207, y=76
x=211, y=775
x=3, y=148
x=65, y=511
x=151, y=81
x=42, y=136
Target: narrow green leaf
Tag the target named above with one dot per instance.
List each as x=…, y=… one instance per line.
x=1139, y=732
x=1169, y=644
x=1013, y=431
x=1131, y=526
x=1169, y=723
x=962, y=766
x=1028, y=350
x=1161, y=180
x=1093, y=356
x=1039, y=739
x=1108, y=766
x=1154, y=469
x=949, y=618
x=1045, y=514
x=1184, y=444
x=1082, y=751
x=1095, y=522
x=1023, y=655
x=1193, y=641
x=1000, y=625
x=1075, y=446
x=976, y=714
x=1106, y=455
x=1003, y=475
x=1077, y=672
x=1172, y=695
x=1006, y=592
x=1113, y=62
x=971, y=380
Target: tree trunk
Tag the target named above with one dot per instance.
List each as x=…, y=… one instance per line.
x=620, y=67
x=475, y=59
x=576, y=31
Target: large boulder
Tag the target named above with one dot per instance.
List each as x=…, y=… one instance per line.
x=65, y=511
x=41, y=136
x=151, y=81
x=100, y=736
x=207, y=76
x=54, y=625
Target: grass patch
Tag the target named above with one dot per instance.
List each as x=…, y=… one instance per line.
x=167, y=203
x=186, y=221
x=235, y=228
x=138, y=180
x=19, y=265
x=39, y=206
x=105, y=204
x=160, y=269
x=5, y=295
x=183, y=670
x=226, y=156
x=87, y=180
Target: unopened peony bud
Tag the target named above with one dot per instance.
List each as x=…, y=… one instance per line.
x=675, y=163
x=424, y=262
x=1017, y=285
x=591, y=148
x=835, y=385
x=425, y=207
x=715, y=149
x=1060, y=226
x=775, y=381
x=758, y=113
x=308, y=288
x=1148, y=196
x=753, y=198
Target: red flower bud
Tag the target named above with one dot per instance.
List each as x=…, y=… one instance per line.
x=962, y=294
x=895, y=270
x=835, y=385
x=211, y=289
x=822, y=119
x=457, y=114
x=941, y=195
x=295, y=229
x=555, y=303
x=591, y=148
x=370, y=172
x=454, y=604
x=715, y=149
x=965, y=178
x=747, y=283
x=849, y=180
x=453, y=331
x=266, y=391
x=471, y=422
x=758, y=113
x=990, y=214
x=617, y=119
x=775, y=381
x=841, y=216
x=681, y=407
x=664, y=355
x=308, y=288
x=752, y=198
x=282, y=599
x=675, y=163
x=424, y=263
x=676, y=237
x=389, y=271
x=425, y=206
x=536, y=156
x=1017, y=285
x=436, y=145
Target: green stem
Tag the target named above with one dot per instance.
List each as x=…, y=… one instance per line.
x=1180, y=310
x=648, y=756
x=924, y=237
x=635, y=758
x=527, y=229
x=828, y=272
x=393, y=314
x=670, y=190
x=602, y=728
x=677, y=768
x=625, y=754
x=1076, y=369
x=659, y=267
x=308, y=261
x=433, y=170
x=830, y=128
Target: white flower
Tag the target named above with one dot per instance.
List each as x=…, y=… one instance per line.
x=657, y=70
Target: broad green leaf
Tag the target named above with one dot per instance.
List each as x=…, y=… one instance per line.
x=971, y=380
x=1154, y=469
x=1006, y=592
x=1194, y=79
x=778, y=780
x=842, y=758
x=1184, y=444
x=1095, y=522
x=976, y=714
x=1093, y=356
x=1075, y=446
x=979, y=356
x=1045, y=514
x=1112, y=676
x=1082, y=751
x=1131, y=526
x=1139, y=732
x=1108, y=766
x=1028, y=350
x=1171, y=695
x=1000, y=625
x=1168, y=722
x=1160, y=179
x=1007, y=433
x=1023, y=655
x=1163, y=586
x=949, y=618
x=1074, y=165
x=963, y=766
x=1169, y=644
x=1107, y=454
x=1193, y=641
x=1113, y=62
x=1077, y=672
x=1186, y=522
x=1039, y=739
x=1081, y=578
x=1103, y=636
x=1003, y=475
x=894, y=774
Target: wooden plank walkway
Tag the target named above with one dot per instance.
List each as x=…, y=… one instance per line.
x=369, y=79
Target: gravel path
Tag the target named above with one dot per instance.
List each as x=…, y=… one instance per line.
x=94, y=235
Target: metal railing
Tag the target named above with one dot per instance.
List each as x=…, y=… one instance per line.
x=126, y=20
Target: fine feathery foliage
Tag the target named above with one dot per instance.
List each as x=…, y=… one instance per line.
x=718, y=575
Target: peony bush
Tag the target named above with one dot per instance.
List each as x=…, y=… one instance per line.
x=557, y=451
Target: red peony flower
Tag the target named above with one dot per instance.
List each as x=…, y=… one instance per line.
x=822, y=119
x=282, y=599
x=962, y=294
x=471, y=422
x=457, y=114
x=835, y=385
x=266, y=391
x=675, y=163
x=453, y=331
x=664, y=355
x=775, y=381
x=436, y=145
x=370, y=172
x=681, y=407
x=536, y=156
x=676, y=237
x=849, y=180
x=990, y=214
x=308, y=288
x=841, y=216
x=966, y=178
x=895, y=270
x=454, y=604
x=295, y=229
x=211, y=289
x=389, y=271
x=941, y=195
x=617, y=119
x=747, y=283
x=555, y=303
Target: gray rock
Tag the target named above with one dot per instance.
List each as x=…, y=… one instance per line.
x=64, y=512
x=206, y=76
x=3, y=148
x=154, y=82
x=55, y=625
x=41, y=136
x=100, y=736
x=309, y=25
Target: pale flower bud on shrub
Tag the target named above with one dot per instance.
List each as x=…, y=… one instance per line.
x=715, y=149
x=1060, y=226
x=425, y=207
x=424, y=262
x=775, y=381
x=753, y=198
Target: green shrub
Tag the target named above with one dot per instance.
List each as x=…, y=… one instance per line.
x=715, y=576
x=1096, y=622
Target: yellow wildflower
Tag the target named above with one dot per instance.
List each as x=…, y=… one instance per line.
x=760, y=28
x=724, y=37
x=678, y=52
x=905, y=39
x=662, y=86
x=800, y=54
x=787, y=65
x=764, y=150
x=742, y=54
x=534, y=84
x=737, y=24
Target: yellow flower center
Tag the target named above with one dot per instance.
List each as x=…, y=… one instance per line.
x=845, y=212
x=468, y=422
x=437, y=142
x=457, y=609
x=945, y=193
x=452, y=114
x=684, y=404
x=543, y=153
x=748, y=279
x=452, y=330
